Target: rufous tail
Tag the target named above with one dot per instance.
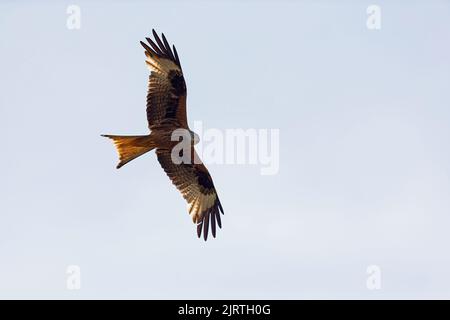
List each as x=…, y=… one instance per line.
x=131, y=147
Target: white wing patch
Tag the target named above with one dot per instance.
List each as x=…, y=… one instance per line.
x=160, y=65
x=201, y=203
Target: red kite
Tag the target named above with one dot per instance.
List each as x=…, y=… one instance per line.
x=166, y=112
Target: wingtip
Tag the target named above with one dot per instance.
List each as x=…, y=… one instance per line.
x=155, y=34
x=143, y=44
x=199, y=230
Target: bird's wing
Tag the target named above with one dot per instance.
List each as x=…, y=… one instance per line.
x=166, y=95
x=196, y=185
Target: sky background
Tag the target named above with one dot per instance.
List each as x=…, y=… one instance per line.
x=364, y=150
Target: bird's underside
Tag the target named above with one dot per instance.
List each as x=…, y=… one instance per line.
x=166, y=112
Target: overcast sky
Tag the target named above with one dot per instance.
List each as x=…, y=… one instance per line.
x=364, y=158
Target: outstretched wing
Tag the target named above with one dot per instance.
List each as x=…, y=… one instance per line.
x=196, y=185
x=166, y=96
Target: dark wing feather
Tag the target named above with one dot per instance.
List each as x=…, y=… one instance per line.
x=166, y=96
x=196, y=185
x=155, y=47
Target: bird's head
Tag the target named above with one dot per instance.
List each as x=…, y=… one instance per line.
x=195, y=138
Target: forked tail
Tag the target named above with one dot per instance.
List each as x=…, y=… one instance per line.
x=131, y=147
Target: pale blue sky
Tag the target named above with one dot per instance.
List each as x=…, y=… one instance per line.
x=364, y=159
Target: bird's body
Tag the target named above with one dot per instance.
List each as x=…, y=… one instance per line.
x=166, y=113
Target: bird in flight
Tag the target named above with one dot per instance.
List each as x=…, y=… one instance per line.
x=166, y=113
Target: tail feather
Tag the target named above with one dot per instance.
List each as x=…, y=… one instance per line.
x=131, y=147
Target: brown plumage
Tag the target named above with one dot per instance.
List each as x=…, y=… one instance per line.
x=166, y=112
